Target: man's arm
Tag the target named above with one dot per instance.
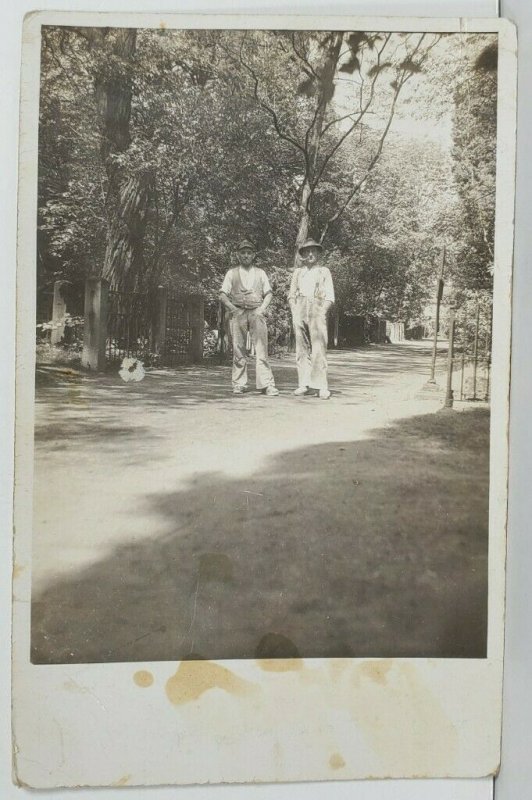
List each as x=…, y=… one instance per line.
x=227, y=285
x=266, y=293
x=329, y=290
x=267, y=299
x=224, y=299
x=292, y=292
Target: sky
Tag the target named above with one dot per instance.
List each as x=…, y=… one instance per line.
x=425, y=106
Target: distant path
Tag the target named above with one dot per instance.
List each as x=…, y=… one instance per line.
x=173, y=518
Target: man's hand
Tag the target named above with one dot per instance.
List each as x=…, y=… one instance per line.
x=267, y=299
x=228, y=305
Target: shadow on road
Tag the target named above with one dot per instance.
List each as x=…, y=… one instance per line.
x=353, y=374
x=348, y=549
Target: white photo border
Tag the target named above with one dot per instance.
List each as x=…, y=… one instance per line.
x=91, y=725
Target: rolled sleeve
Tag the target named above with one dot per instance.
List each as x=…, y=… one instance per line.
x=227, y=284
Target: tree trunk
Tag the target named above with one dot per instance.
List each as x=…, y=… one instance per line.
x=326, y=70
x=129, y=192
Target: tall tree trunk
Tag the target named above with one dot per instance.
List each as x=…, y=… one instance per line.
x=325, y=90
x=129, y=192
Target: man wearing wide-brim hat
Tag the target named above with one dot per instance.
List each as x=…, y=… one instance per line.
x=310, y=296
x=246, y=293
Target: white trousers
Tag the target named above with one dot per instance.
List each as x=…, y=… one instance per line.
x=310, y=327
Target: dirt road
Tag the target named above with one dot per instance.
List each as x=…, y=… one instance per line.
x=175, y=520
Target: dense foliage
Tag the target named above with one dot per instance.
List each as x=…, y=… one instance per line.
x=475, y=125
x=160, y=149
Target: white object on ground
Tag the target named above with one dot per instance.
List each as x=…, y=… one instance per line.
x=131, y=369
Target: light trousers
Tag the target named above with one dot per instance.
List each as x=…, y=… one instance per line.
x=243, y=322
x=310, y=327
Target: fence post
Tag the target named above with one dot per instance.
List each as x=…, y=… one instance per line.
x=95, y=327
x=221, y=329
x=439, y=297
x=488, y=353
x=475, y=352
x=59, y=310
x=450, y=358
x=198, y=328
x=159, y=322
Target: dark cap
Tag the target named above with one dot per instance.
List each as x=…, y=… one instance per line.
x=246, y=245
x=308, y=244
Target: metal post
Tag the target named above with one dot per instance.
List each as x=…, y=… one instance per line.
x=475, y=352
x=450, y=357
x=198, y=328
x=464, y=353
x=439, y=295
x=488, y=355
x=221, y=330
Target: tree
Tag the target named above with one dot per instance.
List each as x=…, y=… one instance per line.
x=310, y=120
x=95, y=148
x=160, y=149
x=129, y=192
x=475, y=123
x=72, y=220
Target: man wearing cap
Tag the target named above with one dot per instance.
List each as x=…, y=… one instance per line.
x=246, y=293
x=310, y=296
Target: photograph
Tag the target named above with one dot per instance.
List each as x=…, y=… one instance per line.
x=264, y=285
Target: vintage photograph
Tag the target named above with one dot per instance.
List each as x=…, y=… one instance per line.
x=264, y=284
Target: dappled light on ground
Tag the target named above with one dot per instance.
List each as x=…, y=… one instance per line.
x=342, y=530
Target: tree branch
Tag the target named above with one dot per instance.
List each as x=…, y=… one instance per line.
x=405, y=76
x=266, y=107
x=304, y=60
x=352, y=127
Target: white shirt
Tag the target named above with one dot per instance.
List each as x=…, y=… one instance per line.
x=247, y=276
x=308, y=278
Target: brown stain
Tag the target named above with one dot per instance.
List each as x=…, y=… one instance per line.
x=162, y=25
x=75, y=396
x=336, y=761
x=376, y=671
x=143, y=678
x=71, y=686
x=122, y=781
x=276, y=646
x=337, y=668
x=280, y=664
x=422, y=740
x=194, y=678
x=18, y=569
